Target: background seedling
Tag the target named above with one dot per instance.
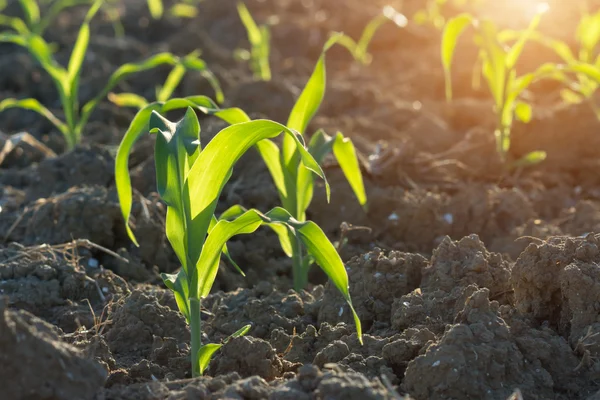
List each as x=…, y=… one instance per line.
x=498, y=65
x=190, y=180
x=66, y=80
x=164, y=92
x=583, y=62
x=260, y=45
x=359, y=49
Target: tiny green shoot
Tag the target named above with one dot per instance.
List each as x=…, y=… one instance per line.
x=498, y=66
x=359, y=49
x=260, y=45
x=66, y=80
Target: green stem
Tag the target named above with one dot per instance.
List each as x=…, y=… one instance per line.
x=195, y=328
x=300, y=275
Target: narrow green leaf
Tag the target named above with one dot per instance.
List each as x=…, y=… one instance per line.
x=344, y=152
x=570, y=97
x=121, y=73
x=310, y=99
x=14, y=23
x=535, y=157
x=137, y=127
x=182, y=10
x=523, y=112
x=156, y=8
x=253, y=31
x=51, y=13
x=263, y=52
x=178, y=284
x=173, y=80
x=35, y=105
x=452, y=32
x=516, y=50
x=208, y=350
x=326, y=256
x=205, y=354
x=589, y=70
x=31, y=11
x=127, y=100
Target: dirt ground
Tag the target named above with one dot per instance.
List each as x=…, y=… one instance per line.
x=471, y=282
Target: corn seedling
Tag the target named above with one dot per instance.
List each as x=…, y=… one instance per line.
x=165, y=92
x=35, y=21
x=359, y=49
x=582, y=63
x=260, y=45
x=498, y=65
x=190, y=180
x=66, y=80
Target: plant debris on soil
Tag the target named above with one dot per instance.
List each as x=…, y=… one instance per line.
x=471, y=283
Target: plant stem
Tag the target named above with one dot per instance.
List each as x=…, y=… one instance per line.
x=300, y=275
x=195, y=321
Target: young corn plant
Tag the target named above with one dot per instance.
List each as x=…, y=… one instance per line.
x=163, y=93
x=498, y=65
x=260, y=45
x=359, y=49
x=33, y=21
x=584, y=64
x=190, y=179
x=294, y=182
x=66, y=80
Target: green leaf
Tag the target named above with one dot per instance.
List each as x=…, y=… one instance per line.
x=495, y=69
x=310, y=99
x=121, y=73
x=15, y=23
x=326, y=256
x=31, y=11
x=516, y=50
x=570, y=97
x=452, y=32
x=179, y=285
x=181, y=10
x=589, y=70
x=127, y=100
x=193, y=62
x=173, y=80
x=253, y=31
x=344, y=152
x=535, y=157
x=263, y=51
x=51, y=14
x=206, y=352
x=156, y=8
x=34, y=105
x=137, y=127
x=523, y=112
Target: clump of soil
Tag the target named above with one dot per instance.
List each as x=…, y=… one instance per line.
x=30, y=344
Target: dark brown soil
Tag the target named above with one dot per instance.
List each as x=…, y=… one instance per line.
x=472, y=282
